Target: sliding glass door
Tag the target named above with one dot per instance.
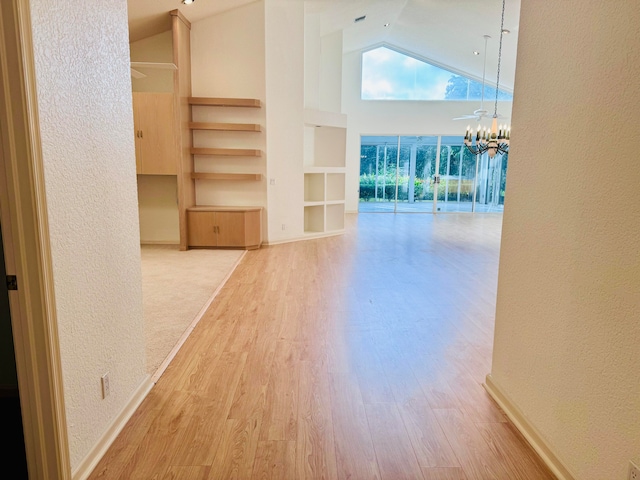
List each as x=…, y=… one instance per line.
x=428, y=174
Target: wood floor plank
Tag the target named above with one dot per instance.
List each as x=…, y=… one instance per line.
x=198, y=441
x=429, y=442
x=275, y=461
x=236, y=453
x=447, y=473
x=517, y=456
x=281, y=405
x=250, y=394
x=315, y=446
x=151, y=459
x=355, y=456
x=187, y=473
x=476, y=458
x=395, y=455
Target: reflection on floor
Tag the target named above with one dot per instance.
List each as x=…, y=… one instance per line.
x=176, y=286
x=374, y=206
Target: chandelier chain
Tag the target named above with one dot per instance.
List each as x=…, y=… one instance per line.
x=495, y=111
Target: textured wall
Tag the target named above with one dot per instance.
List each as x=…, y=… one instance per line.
x=567, y=332
x=84, y=102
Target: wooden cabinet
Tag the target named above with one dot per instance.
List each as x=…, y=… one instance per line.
x=154, y=133
x=231, y=227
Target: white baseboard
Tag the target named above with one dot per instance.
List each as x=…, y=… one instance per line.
x=529, y=432
x=97, y=452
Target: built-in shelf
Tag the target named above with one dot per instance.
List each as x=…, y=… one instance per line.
x=335, y=187
x=314, y=219
x=225, y=176
x=226, y=127
x=335, y=217
x=225, y=102
x=324, y=165
x=227, y=152
x=314, y=187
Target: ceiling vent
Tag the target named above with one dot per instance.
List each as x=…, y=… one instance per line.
x=360, y=19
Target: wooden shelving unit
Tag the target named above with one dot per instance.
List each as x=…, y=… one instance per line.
x=225, y=176
x=226, y=127
x=225, y=102
x=222, y=226
x=227, y=152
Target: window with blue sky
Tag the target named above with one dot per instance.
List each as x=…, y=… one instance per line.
x=391, y=75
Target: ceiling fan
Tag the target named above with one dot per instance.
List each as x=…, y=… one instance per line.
x=154, y=65
x=482, y=112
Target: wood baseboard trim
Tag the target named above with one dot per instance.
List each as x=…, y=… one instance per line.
x=165, y=363
x=529, y=432
x=100, y=448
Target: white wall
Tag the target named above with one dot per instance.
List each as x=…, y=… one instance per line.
x=331, y=72
x=158, y=49
x=389, y=117
x=312, y=48
x=228, y=60
x=158, y=209
x=84, y=102
x=284, y=30
x=567, y=333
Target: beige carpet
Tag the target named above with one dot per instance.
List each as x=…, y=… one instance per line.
x=175, y=287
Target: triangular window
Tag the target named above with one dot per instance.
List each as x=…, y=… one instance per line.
x=391, y=75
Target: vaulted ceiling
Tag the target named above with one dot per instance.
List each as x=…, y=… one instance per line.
x=446, y=32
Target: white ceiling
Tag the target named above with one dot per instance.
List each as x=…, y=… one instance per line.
x=443, y=31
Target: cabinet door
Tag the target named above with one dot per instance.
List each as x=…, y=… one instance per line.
x=230, y=229
x=201, y=229
x=155, y=136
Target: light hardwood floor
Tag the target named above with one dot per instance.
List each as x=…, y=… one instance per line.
x=354, y=357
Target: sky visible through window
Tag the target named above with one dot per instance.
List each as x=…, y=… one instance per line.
x=390, y=75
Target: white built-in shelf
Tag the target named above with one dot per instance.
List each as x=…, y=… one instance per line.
x=314, y=219
x=335, y=187
x=227, y=152
x=226, y=127
x=226, y=176
x=314, y=187
x=225, y=102
x=335, y=217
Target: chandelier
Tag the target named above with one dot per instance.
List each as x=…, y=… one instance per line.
x=496, y=139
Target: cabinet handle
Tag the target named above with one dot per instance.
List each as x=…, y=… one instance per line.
x=141, y=136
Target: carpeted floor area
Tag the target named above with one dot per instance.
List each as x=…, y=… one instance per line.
x=176, y=286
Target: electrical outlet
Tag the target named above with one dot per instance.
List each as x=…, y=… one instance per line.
x=104, y=380
x=634, y=471
x=284, y=227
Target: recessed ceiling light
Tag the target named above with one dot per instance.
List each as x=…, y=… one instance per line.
x=188, y=2
x=386, y=24
x=505, y=31
x=475, y=52
x=359, y=19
